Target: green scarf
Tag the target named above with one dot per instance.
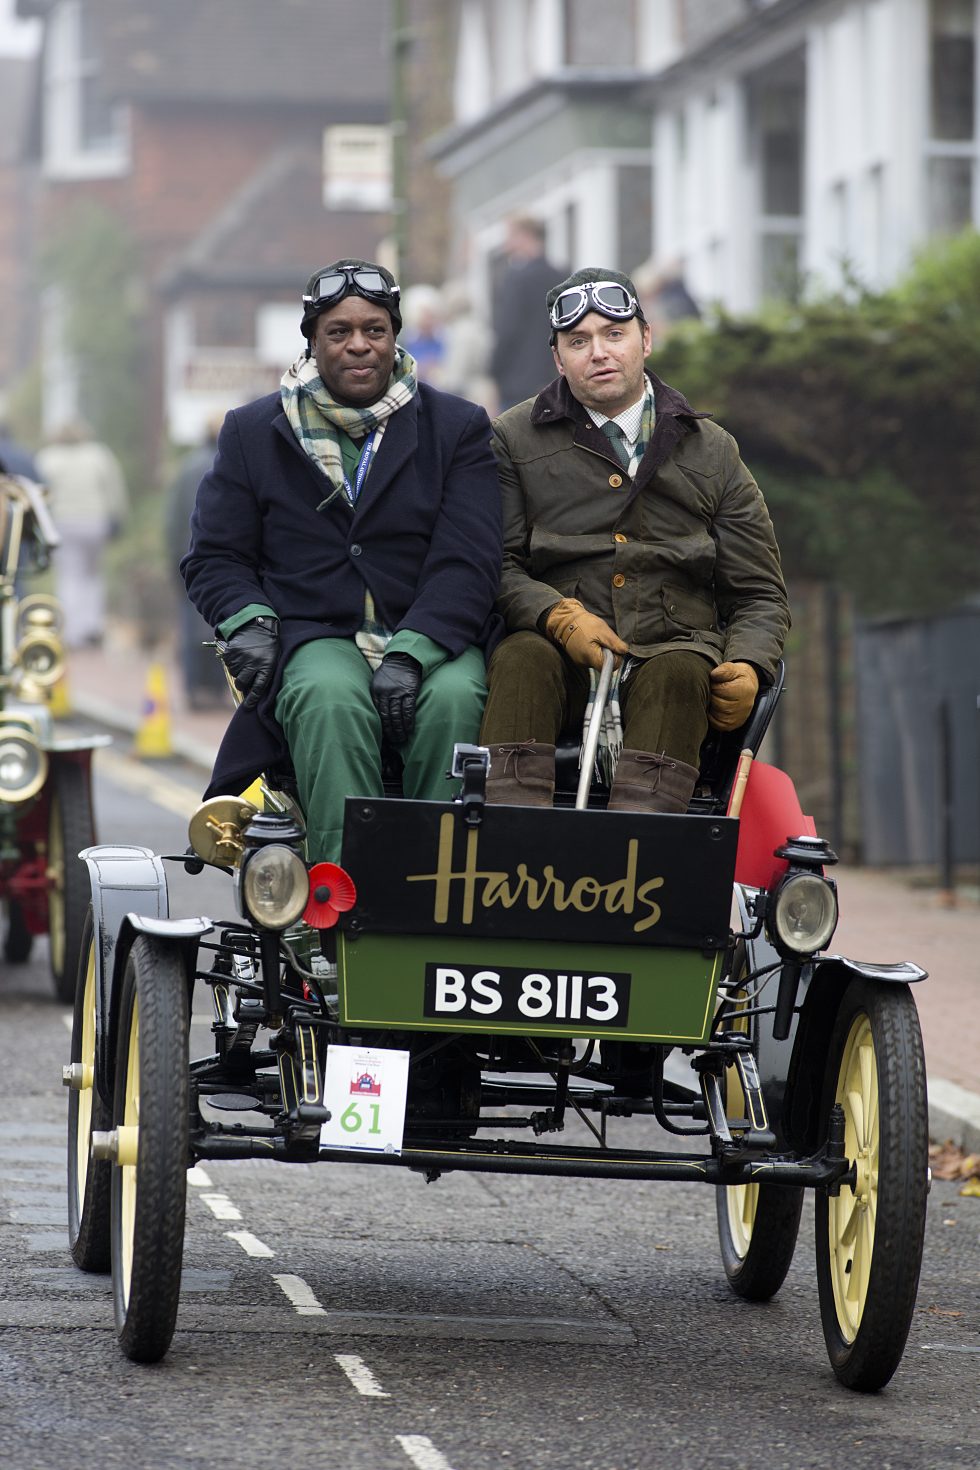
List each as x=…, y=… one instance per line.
x=646, y=432
x=315, y=417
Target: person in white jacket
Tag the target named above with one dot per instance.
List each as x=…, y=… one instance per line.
x=89, y=502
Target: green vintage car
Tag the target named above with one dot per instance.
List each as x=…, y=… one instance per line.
x=471, y=979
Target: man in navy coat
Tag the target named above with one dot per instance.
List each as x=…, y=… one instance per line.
x=347, y=544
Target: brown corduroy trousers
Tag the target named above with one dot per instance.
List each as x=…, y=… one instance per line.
x=537, y=693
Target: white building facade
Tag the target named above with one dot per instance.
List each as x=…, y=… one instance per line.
x=791, y=144
x=828, y=139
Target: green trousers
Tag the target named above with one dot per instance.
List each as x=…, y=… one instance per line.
x=537, y=693
x=334, y=732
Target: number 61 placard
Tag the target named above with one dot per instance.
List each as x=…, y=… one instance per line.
x=365, y=1089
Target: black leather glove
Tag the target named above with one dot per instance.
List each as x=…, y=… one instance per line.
x=251, y=656
x=394, y=689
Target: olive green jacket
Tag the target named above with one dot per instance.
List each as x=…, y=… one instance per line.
x=683, y=557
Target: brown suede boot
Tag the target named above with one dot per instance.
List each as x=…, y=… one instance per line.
x=522, y=773
x=651, y=783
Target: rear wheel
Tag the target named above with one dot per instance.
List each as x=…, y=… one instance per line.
x=869, y=1236
x=757, y=1229
x=89, y=1179
x=149, y=1180
x=757, y=1223
x=69, y=830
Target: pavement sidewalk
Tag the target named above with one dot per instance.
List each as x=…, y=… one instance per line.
x=885, y=916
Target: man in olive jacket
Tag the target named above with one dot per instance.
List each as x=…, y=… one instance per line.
x=630, y=523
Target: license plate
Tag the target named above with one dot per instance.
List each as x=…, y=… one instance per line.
x=509, y=993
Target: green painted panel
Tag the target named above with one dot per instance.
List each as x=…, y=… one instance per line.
x=484, y=986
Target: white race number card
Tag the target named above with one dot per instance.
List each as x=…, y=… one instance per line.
x=365, y=1090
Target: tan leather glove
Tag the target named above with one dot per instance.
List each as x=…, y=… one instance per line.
x=733, y=691
x=583, y=635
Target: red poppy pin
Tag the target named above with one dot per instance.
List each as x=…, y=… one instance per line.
x=332, y=893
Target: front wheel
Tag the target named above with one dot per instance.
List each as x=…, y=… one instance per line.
x=149, y=1179
x=89, y=1179
x=869, y=1236
x=70, y=828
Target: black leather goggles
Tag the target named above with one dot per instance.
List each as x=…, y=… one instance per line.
x=328, y=289
x=609, y=298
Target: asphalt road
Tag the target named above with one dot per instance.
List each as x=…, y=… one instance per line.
x=357, y=1317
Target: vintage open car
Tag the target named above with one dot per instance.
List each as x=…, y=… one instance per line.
x=471, y=978
x=45, y=773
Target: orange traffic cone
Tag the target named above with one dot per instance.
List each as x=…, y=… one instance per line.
x=153, y=735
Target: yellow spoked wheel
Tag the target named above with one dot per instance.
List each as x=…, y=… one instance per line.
x=88, y=1179
x=69, y=830
x=149, y=1175
x=869, y=1235
x=851, y=1214
x=757, y=1223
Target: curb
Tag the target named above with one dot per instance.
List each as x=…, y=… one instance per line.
x=954, y=1115
x=954, y=1112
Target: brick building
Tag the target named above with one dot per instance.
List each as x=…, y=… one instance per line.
x=239, y=143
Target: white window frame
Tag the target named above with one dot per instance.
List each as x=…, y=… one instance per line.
x=65, y=154
x=941, y=148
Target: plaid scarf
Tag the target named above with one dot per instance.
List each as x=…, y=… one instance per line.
x=314, y=416
x=610, y=746
x=646, y=432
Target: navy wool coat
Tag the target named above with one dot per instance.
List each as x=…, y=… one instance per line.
x=424, y=537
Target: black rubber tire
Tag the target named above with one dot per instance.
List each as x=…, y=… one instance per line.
x=757, y=1270
x=149, y=1196
x=18, y=941
x=70, y=828
x=865, y=1352
x=757, y=1223
x=89, y=1180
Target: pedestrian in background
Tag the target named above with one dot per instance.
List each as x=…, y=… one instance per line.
x=422, y=337
x=89, y=503
x=201, y=670
x=520, y=363
x=665, y=297
x=14, y=458
x=466, y=364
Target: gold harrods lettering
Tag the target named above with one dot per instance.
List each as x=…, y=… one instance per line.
x=488, y=886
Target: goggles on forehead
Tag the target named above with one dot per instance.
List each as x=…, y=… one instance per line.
x=336, y=284
x=607, y=297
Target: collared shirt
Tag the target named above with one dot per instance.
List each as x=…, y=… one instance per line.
x=630, y=421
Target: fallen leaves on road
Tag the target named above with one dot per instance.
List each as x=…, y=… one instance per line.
x=949, y=1162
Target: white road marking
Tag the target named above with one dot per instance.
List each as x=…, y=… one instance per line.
x=66, y=1016
x=301, y=1295
x=360, y=1375
x=198, y=1177
x=422, y=1452
x=221, y=1207
x=250, y=1243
